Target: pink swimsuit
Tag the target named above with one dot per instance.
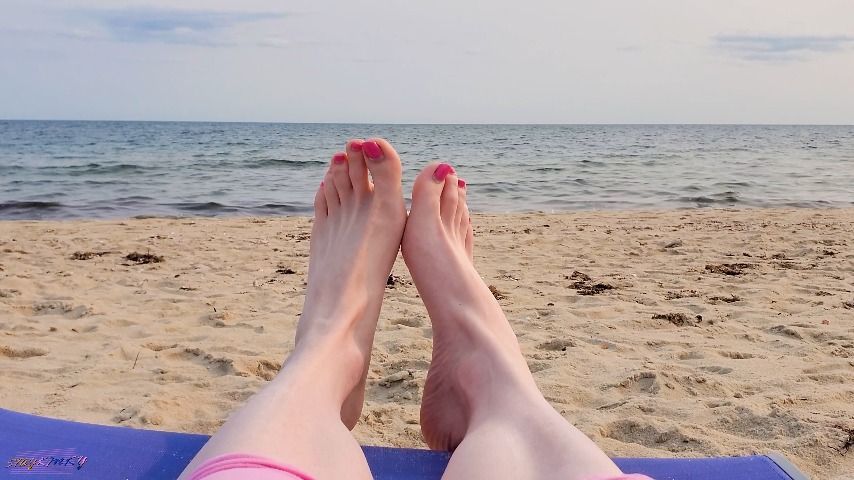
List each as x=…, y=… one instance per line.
x=238, y=466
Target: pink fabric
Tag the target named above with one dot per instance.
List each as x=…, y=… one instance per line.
x=238, y=466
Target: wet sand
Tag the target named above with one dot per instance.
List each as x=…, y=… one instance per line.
x=678, y=333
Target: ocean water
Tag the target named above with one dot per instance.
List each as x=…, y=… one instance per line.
x=56, y=170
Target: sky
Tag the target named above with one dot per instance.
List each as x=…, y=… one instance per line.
x=429, y=61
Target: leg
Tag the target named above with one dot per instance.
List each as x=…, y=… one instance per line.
x=480, y=400
x=302, y=418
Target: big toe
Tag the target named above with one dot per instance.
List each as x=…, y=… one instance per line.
x=384, y=164
x=428, y=187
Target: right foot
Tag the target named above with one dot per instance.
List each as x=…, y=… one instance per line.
x=358, y=226
x=479, y=393
x=477, y=365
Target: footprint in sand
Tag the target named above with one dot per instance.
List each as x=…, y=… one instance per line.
x=648, y=435
x=716, y=369
x=557, y=345
x=643, y=382
x=745, y=422
x=21, y=353
x=736, y=355
x=56, y=307
x=414, y=321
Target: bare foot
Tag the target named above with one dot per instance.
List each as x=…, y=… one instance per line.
x=480, y=400
x=475, y=352
x=358, y=225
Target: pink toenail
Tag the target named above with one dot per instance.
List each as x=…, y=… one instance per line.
x=461, y=183
x=356, y=145
x=442, y=171
x=339, y=158
x=372, y=150
x=322, y=183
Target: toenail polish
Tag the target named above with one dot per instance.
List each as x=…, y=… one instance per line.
x=372, y=150
x=356, y=145
x=461, y=183
x=442, y=171
x=339, y=158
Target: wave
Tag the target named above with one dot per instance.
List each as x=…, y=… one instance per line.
x=29, y=206
x=202, y=207
x=733, y=184
x=587, y=161
x=133, y=200
x=215, y=208
x=723, y=198
x=97, y=169
x=70, y=157
x=282, y=162
x=282, y=208
x=67, y=167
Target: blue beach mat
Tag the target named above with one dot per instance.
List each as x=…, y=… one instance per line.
x=40, y=447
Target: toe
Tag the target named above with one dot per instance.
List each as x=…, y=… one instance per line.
x=320, y=210
x=333, y=203
x=384, y=165
x=341, y=176
x=357, y=168
x=450, y=201
x=462, y=216
x=427, y=190
x=470, y=241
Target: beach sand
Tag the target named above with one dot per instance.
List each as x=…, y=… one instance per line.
x=680, y=333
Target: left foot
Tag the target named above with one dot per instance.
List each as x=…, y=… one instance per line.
x=358, y=226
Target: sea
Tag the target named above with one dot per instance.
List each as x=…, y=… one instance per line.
x=107, y=169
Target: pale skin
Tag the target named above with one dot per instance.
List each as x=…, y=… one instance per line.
x=480, y=400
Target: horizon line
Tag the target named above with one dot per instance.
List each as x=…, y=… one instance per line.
x=746, y=124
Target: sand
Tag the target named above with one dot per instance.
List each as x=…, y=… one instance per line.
x=680, y=333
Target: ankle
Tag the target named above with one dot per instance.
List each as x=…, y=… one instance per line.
x=324, y=315
x=307, y=368
x=489, y=378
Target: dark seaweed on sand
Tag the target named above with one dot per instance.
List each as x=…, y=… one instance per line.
x=678, y=319
x=680, y=294
x=586, y=286
x=847, y=443
x=87, y=255
x=731, y=299
x=576, y=275
x=143, y=258
x=728, y=268
x=495, y=293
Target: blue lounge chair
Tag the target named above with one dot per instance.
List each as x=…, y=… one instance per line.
x=43, y=447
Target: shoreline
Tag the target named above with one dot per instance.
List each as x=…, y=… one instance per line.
x=724, y=331
x=480, y=213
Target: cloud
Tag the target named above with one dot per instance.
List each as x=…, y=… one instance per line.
x=188, y=27
x=780, y=47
